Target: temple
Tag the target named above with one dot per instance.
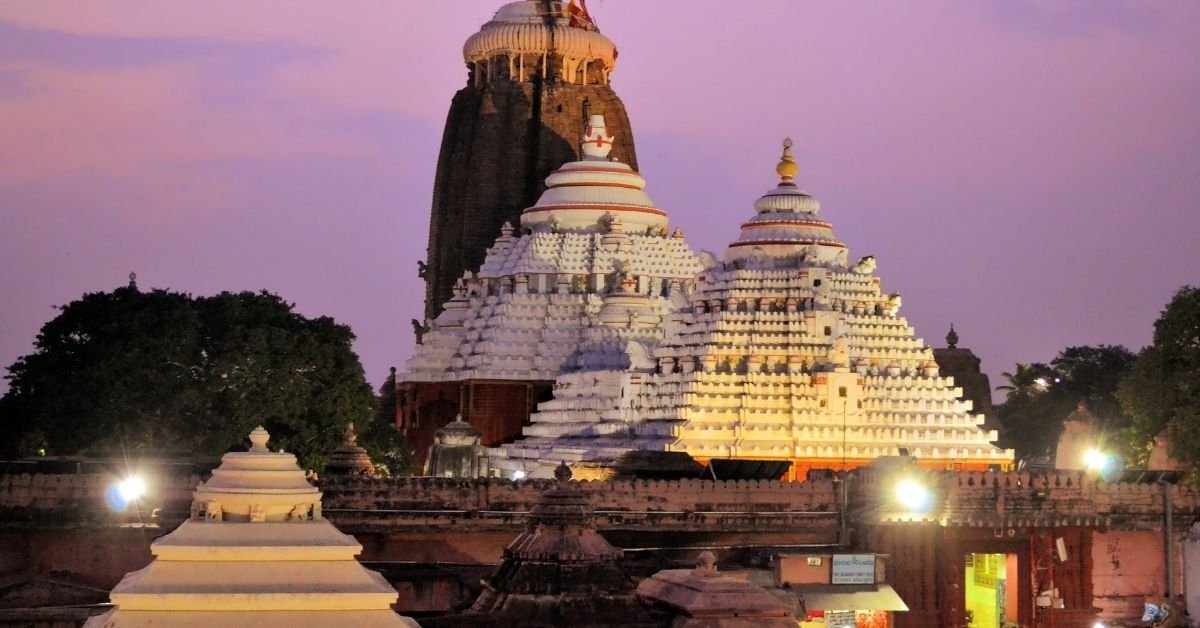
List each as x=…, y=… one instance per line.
x=585, y=283
x=256, y=551
x=783, y=350
x=535, y=72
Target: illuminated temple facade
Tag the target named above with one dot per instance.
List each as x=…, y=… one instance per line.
x=784, y=350
x=590, y=329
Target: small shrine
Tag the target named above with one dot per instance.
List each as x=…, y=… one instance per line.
x=349, y=458
x=706, y=598
x=255, y=552
x=561, y=572
x=457, y=452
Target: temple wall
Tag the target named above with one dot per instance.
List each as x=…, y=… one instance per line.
x=79, y=496
x=631, y=496
x=1128, y=566
x=497, y=409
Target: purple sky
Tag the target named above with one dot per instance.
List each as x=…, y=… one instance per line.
x=1026, y=170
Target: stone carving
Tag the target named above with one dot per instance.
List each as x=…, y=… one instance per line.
x=212, y=511
x=839, y=353
x=300, y=512
x=639, y=357
x=843, y=257
x=422, y=269
x=258, y=514
x=865, y=265
x=893, y=304
x=812, y=254
x=419, y=330
x=707, y=259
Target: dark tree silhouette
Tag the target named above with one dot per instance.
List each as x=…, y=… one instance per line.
x=128, y=371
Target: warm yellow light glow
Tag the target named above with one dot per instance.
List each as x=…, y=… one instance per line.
x=131, y=488
x=1095, y=459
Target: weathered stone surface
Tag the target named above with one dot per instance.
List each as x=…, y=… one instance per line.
x=500, y=143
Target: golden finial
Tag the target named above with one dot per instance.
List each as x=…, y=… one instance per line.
x=787, y=167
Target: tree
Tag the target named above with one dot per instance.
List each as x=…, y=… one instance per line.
x=1039, y=396
x=1162, y=390
x=128, y=372
x=383, y=439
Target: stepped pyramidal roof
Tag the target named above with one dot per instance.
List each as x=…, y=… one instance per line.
x=586, y=282
x=783, y=349
x=255, y=552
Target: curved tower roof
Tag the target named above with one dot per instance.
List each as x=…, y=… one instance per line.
x=535, y=74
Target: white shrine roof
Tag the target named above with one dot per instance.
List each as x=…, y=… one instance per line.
x=256, y=552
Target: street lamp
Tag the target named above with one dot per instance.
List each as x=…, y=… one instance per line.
x=120, y=494
x=914, y=496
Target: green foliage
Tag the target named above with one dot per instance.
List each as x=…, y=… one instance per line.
x=1162, y=391
x=127, y=371
x=389, y=450
x=1040, y=396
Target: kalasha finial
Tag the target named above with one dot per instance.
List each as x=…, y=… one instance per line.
x=350, y=435
x=258, y=440
x=787, y=167
x=596, y=141
x=706, y=562
x=952, y=337
x=562, y=472
x=133, y=281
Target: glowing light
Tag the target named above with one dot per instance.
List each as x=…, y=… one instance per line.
x=913, y=496
x=518, y=475
x=131, y=488
x=1099, y=624
x=1041, y=383
x=119, y=495
x=1096, y=460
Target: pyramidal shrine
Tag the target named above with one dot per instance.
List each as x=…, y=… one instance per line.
x=591, y=330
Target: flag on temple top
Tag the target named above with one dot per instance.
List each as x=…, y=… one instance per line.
x=579, y=16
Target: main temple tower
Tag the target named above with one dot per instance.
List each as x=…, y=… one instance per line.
x=535, y=72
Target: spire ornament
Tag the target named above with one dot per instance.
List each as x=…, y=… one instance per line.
x=952, y=338
x=787, y=167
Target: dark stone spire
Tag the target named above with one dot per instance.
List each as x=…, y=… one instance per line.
x=517, y=120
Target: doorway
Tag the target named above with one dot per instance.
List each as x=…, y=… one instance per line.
x=990, y=589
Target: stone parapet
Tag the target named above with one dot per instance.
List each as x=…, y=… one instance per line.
x=1016, y=500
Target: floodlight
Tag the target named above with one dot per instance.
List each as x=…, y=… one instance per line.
x=131, y=488
x=913, y=495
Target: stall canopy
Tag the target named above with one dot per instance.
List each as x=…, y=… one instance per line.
x=835, y=597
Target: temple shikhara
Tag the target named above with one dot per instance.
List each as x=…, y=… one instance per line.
x=604, y=415
x=590, y=329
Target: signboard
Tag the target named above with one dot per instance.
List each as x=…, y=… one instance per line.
x=853, y=569
x=839, y=619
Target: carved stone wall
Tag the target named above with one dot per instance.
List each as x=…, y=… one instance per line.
x=497, y=409
x=500, y=143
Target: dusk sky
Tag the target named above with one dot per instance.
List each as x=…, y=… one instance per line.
x=1029, y=171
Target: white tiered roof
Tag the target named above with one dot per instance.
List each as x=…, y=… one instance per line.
x=596, y=270
x=784, y=350
x=527, y=28
x=255, y=552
